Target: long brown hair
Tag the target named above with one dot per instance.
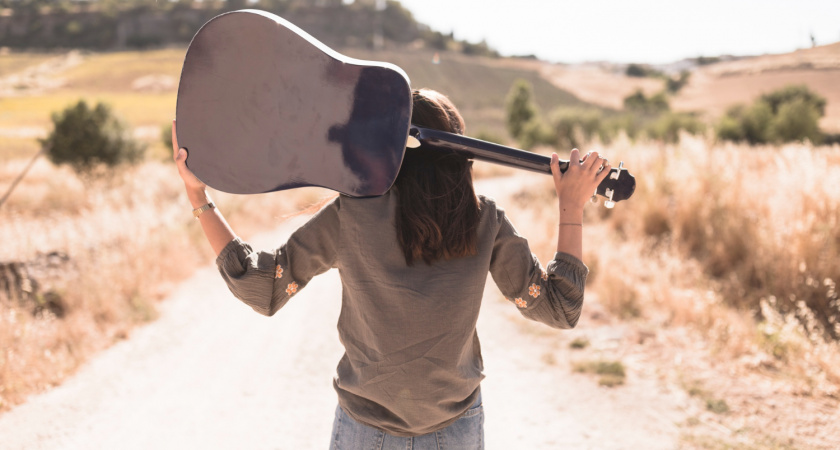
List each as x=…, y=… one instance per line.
x=438, y=212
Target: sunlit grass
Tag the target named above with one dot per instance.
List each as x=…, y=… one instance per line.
x=738, y=243
x=13, y=62
x=137, y=108
x=128, y=239
x=13, y=148
x=115, y=72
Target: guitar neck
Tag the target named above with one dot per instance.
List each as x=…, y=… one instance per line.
x=618, y=185
x=485, y=151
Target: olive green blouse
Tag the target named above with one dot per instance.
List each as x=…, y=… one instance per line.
x=412, y=362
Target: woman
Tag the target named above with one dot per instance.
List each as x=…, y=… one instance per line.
x=413, y=265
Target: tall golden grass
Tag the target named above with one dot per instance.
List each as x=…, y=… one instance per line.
x=128, y=239
x=741, y=243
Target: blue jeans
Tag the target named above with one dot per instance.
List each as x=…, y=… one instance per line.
x=466, y=433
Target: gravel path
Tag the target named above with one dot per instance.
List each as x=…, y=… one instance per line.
x=211, y=373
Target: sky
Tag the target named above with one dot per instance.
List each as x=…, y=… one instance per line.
x=644, y=31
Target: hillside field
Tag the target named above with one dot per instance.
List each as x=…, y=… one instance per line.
x=722, y=269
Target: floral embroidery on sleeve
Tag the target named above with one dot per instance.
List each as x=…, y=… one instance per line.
x=534, y=290
x=521, y=303
x=291, y=288
x=279, y=272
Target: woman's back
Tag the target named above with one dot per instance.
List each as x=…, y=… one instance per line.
x=413, y=264
x=413, y=361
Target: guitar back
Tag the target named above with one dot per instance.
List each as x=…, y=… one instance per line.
x=263, y=106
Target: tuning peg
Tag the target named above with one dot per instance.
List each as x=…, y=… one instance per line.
x=412, y=142
x=615, y=175
x=609, y=203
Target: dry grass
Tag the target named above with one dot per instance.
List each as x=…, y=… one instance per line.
x=138, y=108
x=15, y=148
x=120, y=71
x=739, y=241
x=726, y=259
x=13, y=62
x=128, y=239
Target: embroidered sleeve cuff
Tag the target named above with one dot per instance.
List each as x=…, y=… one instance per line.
x=232, y=257
x=571, y=271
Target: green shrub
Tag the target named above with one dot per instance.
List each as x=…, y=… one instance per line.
x=166, y=135
x=629, y=123
x=797, y=120
x=788, y=114
x=579, y=343
x=86, y=138
x=641, y=70
x=612, y=373
x=675, y=84
x=536, y=132
x=667, y=126
x=792, y=93
x=638, y=103
x=729, y=129
x=574, y=127
x=485, y=135
x=520, y=108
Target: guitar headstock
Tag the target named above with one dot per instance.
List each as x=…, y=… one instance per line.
x=619, y=185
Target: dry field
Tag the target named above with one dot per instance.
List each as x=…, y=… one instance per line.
x=103, y=255
x=692, y=272
x=716, y=87
x=721, y=270
x=598, y=84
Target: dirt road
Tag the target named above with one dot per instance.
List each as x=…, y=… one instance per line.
x=211, y=373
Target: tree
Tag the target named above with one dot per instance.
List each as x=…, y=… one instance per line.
x=637, y=102
x=636, y=70
x=797, y=120
x=675, y=84
x=520, y=107
x=86, y=138
x=788, y=114
x=791, y=93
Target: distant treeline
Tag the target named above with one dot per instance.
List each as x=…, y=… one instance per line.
x=119, y=24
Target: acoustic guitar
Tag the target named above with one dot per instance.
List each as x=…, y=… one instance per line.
x=263, y=106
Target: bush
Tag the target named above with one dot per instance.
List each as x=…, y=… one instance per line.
x=166, y=135
x=789, y=94
x=789, y=114
x=574, y=127
x=86, y=138
x=667, y=127
x=535, y=133
x=640, y=71
x=675, y=84
x=612, y=126
x=797, y=120
x=483, y=135
x=520, y=108
x=637, y=102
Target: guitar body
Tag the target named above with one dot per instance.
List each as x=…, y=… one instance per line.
x=263, y=106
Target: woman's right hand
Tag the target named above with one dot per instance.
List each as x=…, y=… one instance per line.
x=576, y=185
x=195, y=187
